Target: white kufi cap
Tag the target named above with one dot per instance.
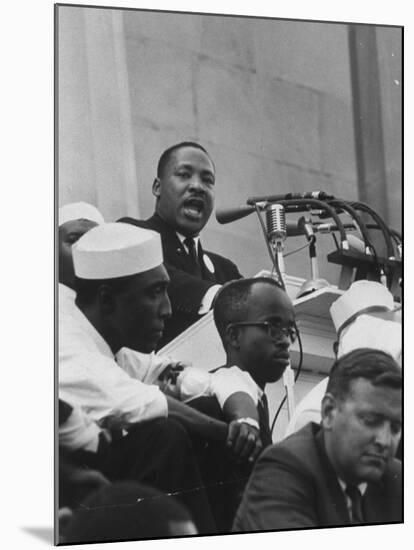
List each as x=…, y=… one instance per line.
x=361, y=297
x=113, y=250
x=368, y=331
x=79, y=211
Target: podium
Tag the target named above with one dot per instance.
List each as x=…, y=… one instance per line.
x=201, y=345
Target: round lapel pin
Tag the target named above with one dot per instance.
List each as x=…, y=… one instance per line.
x=208, y=263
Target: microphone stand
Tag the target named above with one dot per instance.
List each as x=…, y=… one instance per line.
x=278, y=247
x=275, y=246
x=288, y=377
x=314, y=262
x=289, y=384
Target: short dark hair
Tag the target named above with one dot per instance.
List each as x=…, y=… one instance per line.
x=87, y=289
x=165, y=157
x=231, y=301
x=374, y=365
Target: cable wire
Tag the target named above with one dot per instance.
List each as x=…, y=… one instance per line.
x=360, y=223
x=384, y=228
x=307, y=245
x=335, y=240
x=322, y=205
x=394, y=233
x=296, y=377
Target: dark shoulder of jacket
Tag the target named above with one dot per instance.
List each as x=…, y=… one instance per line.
x=133, y=221
x=298, y=444
x=394, y=470
x=65, y=410
x=221, y=261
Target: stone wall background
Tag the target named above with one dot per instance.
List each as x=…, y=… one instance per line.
x=271, y=100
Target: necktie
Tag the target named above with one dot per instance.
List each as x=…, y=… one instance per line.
x=356, y=499
x=263, y=410
x=192, y=254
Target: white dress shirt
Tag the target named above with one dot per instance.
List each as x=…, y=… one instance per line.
x=87, y=370
x=79, y=431
x=90, y=377
x=362, y=488
x=66, y=300
x=192, y=382
x=212, y=291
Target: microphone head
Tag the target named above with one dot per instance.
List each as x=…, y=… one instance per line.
x=227, y=215
x=276, y=222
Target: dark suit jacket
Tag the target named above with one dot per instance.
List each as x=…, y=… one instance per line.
x=186, y=290
x=293, y=485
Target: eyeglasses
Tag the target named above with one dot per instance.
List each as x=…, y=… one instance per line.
x=275, y=332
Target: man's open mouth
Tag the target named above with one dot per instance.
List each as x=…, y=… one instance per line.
x=194, y=208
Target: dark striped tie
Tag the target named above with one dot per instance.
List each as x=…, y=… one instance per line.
x=356, y=499
x=263, y=410
x=192, y=254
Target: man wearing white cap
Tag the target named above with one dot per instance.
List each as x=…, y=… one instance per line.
x=121, y=297
x=364, y=316
x=75, y=219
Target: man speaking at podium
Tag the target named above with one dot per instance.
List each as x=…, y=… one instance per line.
x=184, y=192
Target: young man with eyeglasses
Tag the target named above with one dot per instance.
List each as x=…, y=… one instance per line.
x=256, y=322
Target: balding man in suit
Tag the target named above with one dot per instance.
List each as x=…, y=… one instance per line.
x=342, y=472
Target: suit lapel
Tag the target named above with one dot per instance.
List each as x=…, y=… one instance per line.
x=376, y=508
x=174, y=251
x=338, y=498
x=206, y=273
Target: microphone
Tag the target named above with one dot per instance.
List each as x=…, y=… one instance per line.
x=232, y=214
x=227, y=215
x=316, y=195
x=276, y=223
x=331, y=227
x=293, y=229
x=308, y=228
x=305, y=225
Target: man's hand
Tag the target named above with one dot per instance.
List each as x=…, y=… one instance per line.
x=167, y=380
x=244, y=441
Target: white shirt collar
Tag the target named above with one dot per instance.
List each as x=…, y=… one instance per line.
x=85, y=325
x=361, y=486
x=66, y=292
x=247, y=375
x=182, y=239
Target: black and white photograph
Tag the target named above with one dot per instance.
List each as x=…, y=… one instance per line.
x=229, y=274
x=211, y=347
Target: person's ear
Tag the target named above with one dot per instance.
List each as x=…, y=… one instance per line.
x=329, y=408
x=106, y=299
x=156, y=188
x=233, y=336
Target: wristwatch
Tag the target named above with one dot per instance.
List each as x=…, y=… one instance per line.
x=250, y=421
